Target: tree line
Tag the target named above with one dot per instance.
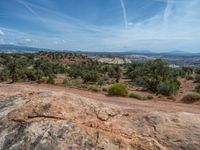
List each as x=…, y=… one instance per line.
x=155, y=76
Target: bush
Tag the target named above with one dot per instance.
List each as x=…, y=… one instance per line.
x=197, y=89
x=188, y=71
x=4, y=75
x=168, y=87
x=155, y=76
x=197, y=70
x=82, y=86
x=100, y=81
x=118, y=89
x=191, y=97
x=30, y=75
x=50, y=80
x=137, y=96
x=74, y=72
x=90, y=76
x=197, y=78
x=93, y=89
x=139, y=81
x=66, y=82
x=149, y=97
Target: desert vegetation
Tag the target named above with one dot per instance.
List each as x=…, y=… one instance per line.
x=76, y=70
x=155, y=76
x=118, y=89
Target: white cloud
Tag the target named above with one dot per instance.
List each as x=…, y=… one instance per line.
x=1, y=32
x=27, y=41
x=175, y=27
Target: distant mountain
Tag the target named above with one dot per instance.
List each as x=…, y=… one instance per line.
x=16, y=48
x=170, y=53
x=25, y=49
x=140, y=51
x=180, y=53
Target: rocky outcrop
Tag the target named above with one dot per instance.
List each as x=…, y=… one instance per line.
x=33, y=118
x=113, y=60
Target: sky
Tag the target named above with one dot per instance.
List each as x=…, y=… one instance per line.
x=102, y=25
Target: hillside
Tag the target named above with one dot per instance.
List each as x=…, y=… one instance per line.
x=48, y=117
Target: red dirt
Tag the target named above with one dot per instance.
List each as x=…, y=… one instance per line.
x=157, y=104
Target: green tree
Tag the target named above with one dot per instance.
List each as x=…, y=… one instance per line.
x=155, y=76
x=117, y=73
x=90, y=76
x=15, y=67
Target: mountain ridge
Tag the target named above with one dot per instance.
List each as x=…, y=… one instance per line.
x=18, y=48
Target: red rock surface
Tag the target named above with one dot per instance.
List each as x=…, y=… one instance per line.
x=45, y=117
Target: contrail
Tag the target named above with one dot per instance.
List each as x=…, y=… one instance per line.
x=29, y=8
x=167, y=11
x=124, y=13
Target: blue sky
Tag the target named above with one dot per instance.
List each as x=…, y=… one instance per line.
x=102, y=25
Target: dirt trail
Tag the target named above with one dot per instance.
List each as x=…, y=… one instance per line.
x=129, y=103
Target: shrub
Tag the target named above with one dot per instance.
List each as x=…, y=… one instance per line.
x=191, y=97
x=74, y=72
x=139, y=81
x=155, y=76
x=30, y=75
x=118, y=89
x=197, y=88
x=93, y=89
x=197, y=78
x=197, y=70
x=188, y=71
x=100, y=81
x=65, y=82
x=4, y=75
x=50, y=80
x=168, y=87
x=90, y=76
x=149, y=97
x=39, y=76
x=137, y=96
x=84, y=86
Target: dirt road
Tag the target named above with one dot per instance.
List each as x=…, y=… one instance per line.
x=128, y=103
